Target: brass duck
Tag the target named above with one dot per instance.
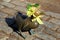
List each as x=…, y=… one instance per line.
x=25, y=24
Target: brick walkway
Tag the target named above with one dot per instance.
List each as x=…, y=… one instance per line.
x=49, y=31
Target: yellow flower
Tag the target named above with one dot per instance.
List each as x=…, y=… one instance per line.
x=38, y=20
x=31, y=11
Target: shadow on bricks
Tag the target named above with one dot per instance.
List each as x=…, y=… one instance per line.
x=12, y=23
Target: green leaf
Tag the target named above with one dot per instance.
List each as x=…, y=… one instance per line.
x=36, y=5
x=29, y=6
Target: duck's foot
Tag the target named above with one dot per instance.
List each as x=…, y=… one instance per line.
x=31, y=32
x=22, y=35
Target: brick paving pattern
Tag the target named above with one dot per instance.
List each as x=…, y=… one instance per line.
x=49, y=31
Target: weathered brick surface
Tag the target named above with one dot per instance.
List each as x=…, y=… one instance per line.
x=9, y=11
x=15, y=36
x=58, y=30
x=1, y=6
x=4, y=27
x=3, y=15
x=52, y=14
x=50, y=30
x=21, y=9
x=3, y=36
x=46, y=18
x=7, y=4
x=6, y=0
x=51, y=5
x=51, y=25
x=19, y=3
x=53, y=33
x=46, y=36
x=56, y=21
x=33, y=37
